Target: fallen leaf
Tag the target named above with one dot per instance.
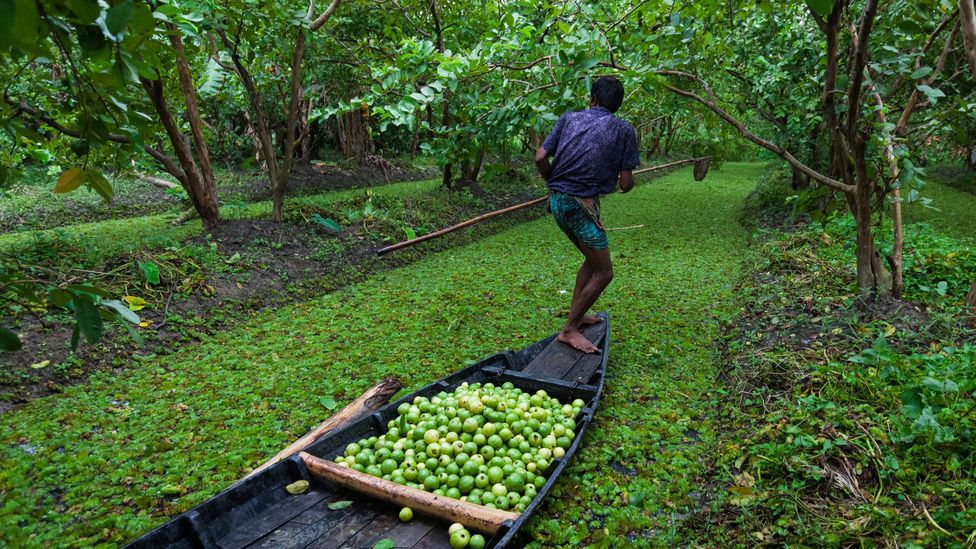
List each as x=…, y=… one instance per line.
x=385, y=543
x=339, y=505
x=41, y=364
x=135, y=303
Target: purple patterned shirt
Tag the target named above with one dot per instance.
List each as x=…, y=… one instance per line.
x=590, y=149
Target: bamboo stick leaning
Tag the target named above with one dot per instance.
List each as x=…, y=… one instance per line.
x=477, y=517
x=373, y=399
x=699, y=175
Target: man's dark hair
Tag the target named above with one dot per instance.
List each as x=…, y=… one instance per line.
x=608, y=92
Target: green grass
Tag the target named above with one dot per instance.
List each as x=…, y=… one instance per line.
x=112, y=238
x=91, y=465
x=952, y=210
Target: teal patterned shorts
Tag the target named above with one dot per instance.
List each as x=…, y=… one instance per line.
x=578, y=224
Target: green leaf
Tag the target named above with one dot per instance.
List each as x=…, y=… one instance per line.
x=135, y=335
x=149, y=271
x=327, y=223
x=93, y=290
x=142, y=22
x=339, y=505
x=947, y=386
x=329, y=403
x=90, y=38
x=9, y=341
x=74, y=337
x=25, y=25
x=59, y=297
x=6, y=22
x=821, y=7
x=99, y=184
x=120, y=308
x=385, y=543
x=921, y=73
x=932, y=94
x=213, y=79
x=87, y=319
x=69, y=180
x=117, y=18
x=911, y=403
x=86, y=11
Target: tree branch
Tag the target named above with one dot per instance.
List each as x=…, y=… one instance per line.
x=712, y=104
x=326, y=15
x=22, y=107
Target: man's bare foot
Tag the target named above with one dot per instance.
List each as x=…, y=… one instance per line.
x=590, y=320
x=576, y=340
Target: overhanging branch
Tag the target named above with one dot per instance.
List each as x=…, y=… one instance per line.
x=712, y=104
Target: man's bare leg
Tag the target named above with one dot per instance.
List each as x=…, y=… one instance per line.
x=601, y=273
x=582, y=277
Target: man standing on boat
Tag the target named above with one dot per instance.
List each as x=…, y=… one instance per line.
x=592, y=150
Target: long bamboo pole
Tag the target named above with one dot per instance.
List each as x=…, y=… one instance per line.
x=373, y=399
x=478, y=517
x=533, y=202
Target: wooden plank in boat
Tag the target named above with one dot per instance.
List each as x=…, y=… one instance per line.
x=584, y=368
x=374, y=531
x=558, y=359
x=306, y=527
x=349, y=527
x=283, y=511
x=437, y=538
x=410, y=533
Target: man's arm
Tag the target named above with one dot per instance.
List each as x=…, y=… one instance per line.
x=626, y=180
x=631, y=159
x=542, y=163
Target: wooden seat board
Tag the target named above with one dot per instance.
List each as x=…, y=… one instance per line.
x=306, y=527
x=258, y=526
x=337, y=537
x=558, y=359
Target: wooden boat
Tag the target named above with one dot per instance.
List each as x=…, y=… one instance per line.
x=259, y=512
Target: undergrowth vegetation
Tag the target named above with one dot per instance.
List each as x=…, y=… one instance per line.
x=850, y=422
x=183, y=287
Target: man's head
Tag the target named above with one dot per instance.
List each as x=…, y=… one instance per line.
x=607, y=92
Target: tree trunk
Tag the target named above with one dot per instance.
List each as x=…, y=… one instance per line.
x=800, y=180
x=446, y=179
x=971, y=158
x=967, y=17
x=353, y=135
x=259, y=124
x=971, y=303
x=415, y=141
x=280, y=183
x=189, y=176
x=871, y=273
x=897, y=271
x=209, y=185
x=654, y=145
